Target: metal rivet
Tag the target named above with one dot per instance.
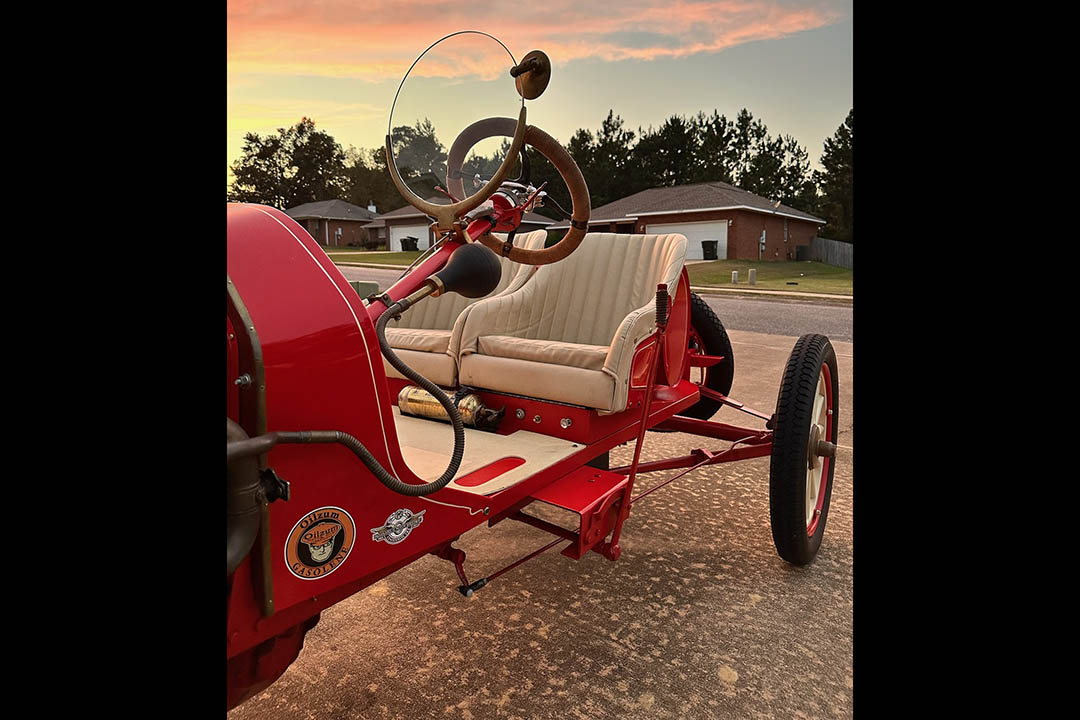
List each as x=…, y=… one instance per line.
x=536, y=418
x=243, y=381
x=566, y=422
x=520, y=414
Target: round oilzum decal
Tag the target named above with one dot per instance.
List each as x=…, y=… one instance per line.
x=319, y=543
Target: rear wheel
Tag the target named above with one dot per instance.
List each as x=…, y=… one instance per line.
x=708, y=337
x=804, y=443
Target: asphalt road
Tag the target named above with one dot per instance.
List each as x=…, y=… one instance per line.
x=772, y=316
x=698, y=619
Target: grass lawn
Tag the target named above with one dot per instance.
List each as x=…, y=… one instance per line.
x=382, y=258
x=810, y=276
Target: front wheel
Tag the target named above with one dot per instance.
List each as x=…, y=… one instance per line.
x=803, y=451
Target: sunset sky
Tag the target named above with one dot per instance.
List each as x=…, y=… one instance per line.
x=339, y=63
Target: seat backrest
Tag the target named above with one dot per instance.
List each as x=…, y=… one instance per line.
x=585, y=297
x=439, y=313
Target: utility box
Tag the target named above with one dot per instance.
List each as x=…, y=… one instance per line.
x=364, y=288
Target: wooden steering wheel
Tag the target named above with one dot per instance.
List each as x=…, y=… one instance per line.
x=549, y=148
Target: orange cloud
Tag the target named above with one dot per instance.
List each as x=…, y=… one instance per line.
x=378, y=39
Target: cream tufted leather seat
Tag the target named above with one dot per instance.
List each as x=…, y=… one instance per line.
x=426, y=335
x=569, y=334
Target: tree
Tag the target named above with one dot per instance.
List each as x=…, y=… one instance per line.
x=297, y=165
x=670, y=155
x=836, y=182
x=418, y=152
x=716, y=156
x=612, y=156
x=368, y=180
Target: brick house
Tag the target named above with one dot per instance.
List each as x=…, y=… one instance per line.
x=334, y=223
x=408, y=222
x=712, y=211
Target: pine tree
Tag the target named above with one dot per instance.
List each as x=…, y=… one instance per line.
x=836, y=183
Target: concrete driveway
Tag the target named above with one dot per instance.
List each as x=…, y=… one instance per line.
x=698, y=619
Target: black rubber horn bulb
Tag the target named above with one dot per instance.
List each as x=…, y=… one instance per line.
x=473, y=271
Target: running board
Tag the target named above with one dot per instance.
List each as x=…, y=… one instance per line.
x=598, y=497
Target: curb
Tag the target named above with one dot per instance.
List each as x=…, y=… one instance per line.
x=377, y=266
x=699, y=289
x=774, y=294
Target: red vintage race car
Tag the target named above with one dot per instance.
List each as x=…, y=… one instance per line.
x=365, y=433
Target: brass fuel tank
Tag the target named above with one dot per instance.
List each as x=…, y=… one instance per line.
x=418, y=402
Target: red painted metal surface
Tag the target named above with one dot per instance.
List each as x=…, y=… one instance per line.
x=251, y=672
x=720, y=397
x=581, y=489
x=676, y=332
x=489, y=472
x=718, y=430
x=597, y=496
x=704, y=361
x=744, y=452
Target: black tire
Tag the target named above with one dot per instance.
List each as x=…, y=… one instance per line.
x=788, y=466
x=720, y=376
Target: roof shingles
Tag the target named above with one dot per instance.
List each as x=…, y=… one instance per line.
x=684, y=198
x=330, y=210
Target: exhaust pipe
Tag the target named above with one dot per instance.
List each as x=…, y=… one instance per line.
x=245, y=501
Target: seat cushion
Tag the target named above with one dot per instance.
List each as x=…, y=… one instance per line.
x=438, y=367
x=588, y=357
x=561, y=383
x=435, y=341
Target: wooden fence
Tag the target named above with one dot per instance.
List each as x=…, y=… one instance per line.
x=832, y=252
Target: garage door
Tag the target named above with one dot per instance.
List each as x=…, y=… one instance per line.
x=420, y=232
x=695, y=233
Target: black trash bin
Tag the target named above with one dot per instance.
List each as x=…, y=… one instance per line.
x=708, y=249
x=409, y=243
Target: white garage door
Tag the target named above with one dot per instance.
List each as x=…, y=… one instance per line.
x=420, y=232
x=695, y=232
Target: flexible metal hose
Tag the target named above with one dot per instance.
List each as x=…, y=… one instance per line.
x=337, y=436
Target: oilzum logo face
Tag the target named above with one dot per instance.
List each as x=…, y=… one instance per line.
x=319, y=543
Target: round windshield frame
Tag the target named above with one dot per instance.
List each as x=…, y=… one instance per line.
x=390, y=120
x=447, y=216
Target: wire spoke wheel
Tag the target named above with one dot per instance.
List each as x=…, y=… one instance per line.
x=802, y=463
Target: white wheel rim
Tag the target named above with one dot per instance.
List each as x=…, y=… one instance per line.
x=818, y=418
